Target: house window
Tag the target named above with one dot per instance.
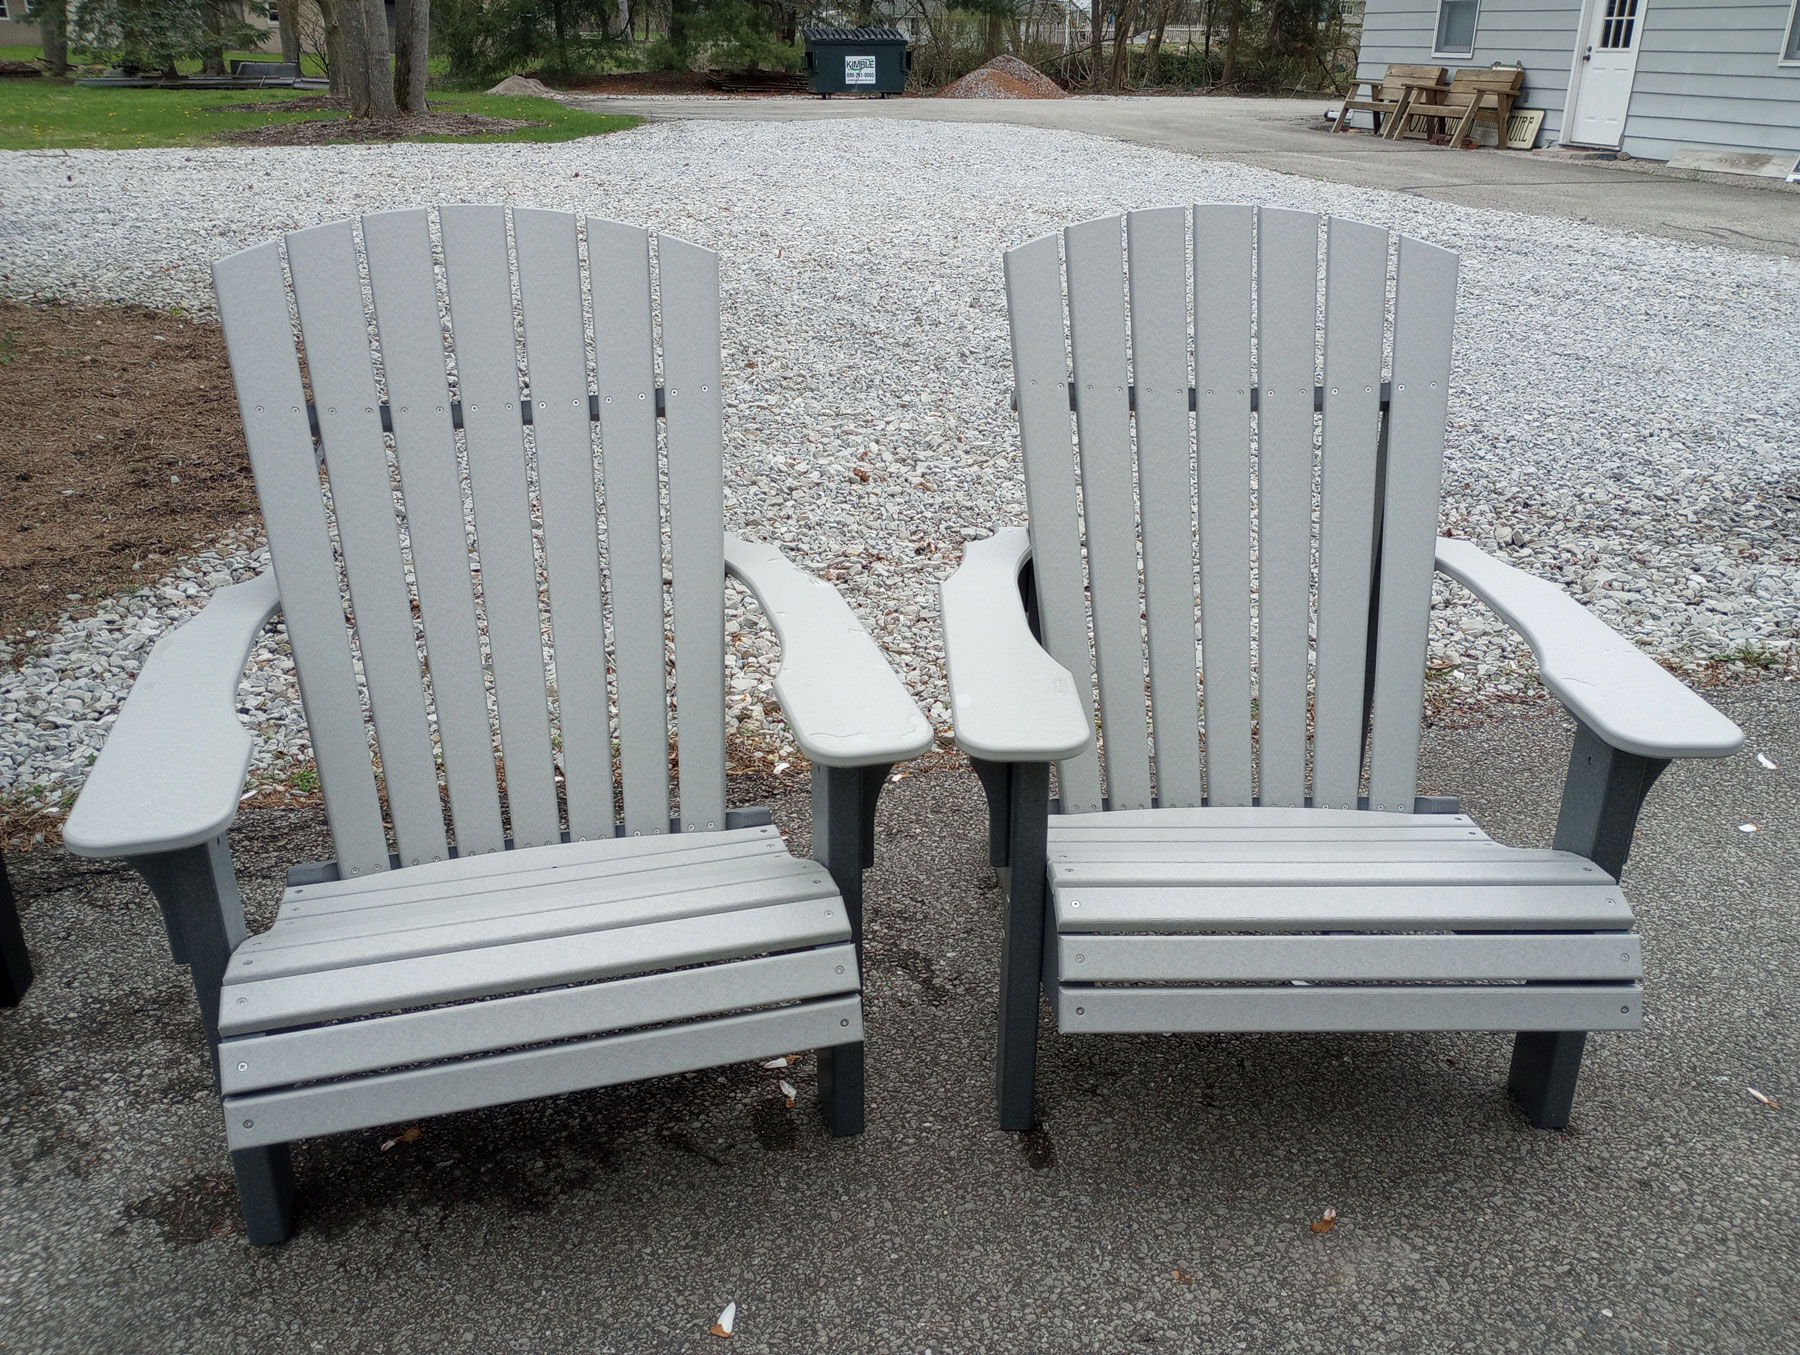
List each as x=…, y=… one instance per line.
x=3, y=11
x=1790, y=50
x=1456, y=28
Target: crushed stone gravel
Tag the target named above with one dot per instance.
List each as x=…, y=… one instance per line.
x=1621, y=421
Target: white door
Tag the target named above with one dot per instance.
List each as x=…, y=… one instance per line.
x=1605, y=65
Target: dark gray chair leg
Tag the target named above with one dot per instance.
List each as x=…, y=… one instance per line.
x=265, y=1182
x=843, y=839
x=1601, y=799
x=1027, y=810
x=199, y=896
x=15, y=960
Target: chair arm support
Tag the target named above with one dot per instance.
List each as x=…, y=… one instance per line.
x=846, y=706
x=1606, y=682
x=173, y=767
x=1009, y=700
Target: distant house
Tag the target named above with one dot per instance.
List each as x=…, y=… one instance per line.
x=1651, y=77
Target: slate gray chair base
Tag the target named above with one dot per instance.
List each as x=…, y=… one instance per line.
x=1042, y=943
x=320, y=1061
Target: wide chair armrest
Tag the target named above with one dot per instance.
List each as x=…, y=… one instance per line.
x=846, y=706
x=174, y=765
x=1608, y=683
x=1009, y=700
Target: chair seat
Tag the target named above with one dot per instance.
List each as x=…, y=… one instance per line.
x=495, y=978
x=1317, y=919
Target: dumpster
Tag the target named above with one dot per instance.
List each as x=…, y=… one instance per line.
x=856, y=61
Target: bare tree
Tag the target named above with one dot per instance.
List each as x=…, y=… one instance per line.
x=53, y=31
x=331, y=46
x=215, y=14
x=288, y=24
x=353, y=40
x=412, y=48
x=379, y=58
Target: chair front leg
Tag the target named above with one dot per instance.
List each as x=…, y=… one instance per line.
x=1604, y=791
x=843, y=836
x=198, y=892
x=1026, y=806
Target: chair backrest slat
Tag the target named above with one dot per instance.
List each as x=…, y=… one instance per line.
x=1286, y=347
x=322, y=262
x=1109, y=504
x=1424, y=323
x=689, y=278
x=1223, y=262
x=482, y=328
x=547, y=248
x=1034, y=299
x=1356, y=259
x=401, y=280
x=1315, y=512
x=1157, y=246
x=253, y=304
x=619, y=262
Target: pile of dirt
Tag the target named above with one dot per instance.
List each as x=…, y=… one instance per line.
x=1005, y=77
x=523, y=84
x=324, y=131
x=122, y=448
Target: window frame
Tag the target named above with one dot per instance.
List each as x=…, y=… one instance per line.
x=1437, y=27
x=1788, y=54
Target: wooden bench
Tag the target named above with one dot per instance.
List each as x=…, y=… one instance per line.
x=1473, y=92
x=1384, y=95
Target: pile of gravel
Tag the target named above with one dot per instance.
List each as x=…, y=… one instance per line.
x=1005, y=77
x=1622, y=419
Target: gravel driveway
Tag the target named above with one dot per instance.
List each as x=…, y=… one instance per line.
x=1623, y=418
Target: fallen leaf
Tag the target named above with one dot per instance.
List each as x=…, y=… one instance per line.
x=727, y=1320
x=1183, y=1276
x=1764, y=1097
x=1763, y=758
x=781, y=1062
x=404, y=1136
x=1326, y=1221
x=787, y=1090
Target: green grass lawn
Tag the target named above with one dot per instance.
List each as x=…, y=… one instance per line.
x=39, y=114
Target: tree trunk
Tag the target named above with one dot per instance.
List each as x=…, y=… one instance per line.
x=1234, y=25
x=1153, y=48
x=337, y=57
x=996, y=33
x=412, y=48
x=1096, y=35
x=353, y=37
x=53, y=31
x=1121, y=67
x=380, y=60
x=289, y=24
x=212, y=55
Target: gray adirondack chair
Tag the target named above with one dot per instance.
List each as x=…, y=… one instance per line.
x=1288, y=877
x=552, y=937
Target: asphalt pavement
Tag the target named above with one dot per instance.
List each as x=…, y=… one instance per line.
x=1164, y=1204
x=1291, y=136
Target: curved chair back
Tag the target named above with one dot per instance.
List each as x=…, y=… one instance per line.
x=481, y=473
x=1259, y=399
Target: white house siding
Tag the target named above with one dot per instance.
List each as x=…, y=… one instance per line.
x=1707, y=74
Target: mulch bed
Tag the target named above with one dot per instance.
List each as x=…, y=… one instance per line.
x=324, y=131
x=122, y=448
